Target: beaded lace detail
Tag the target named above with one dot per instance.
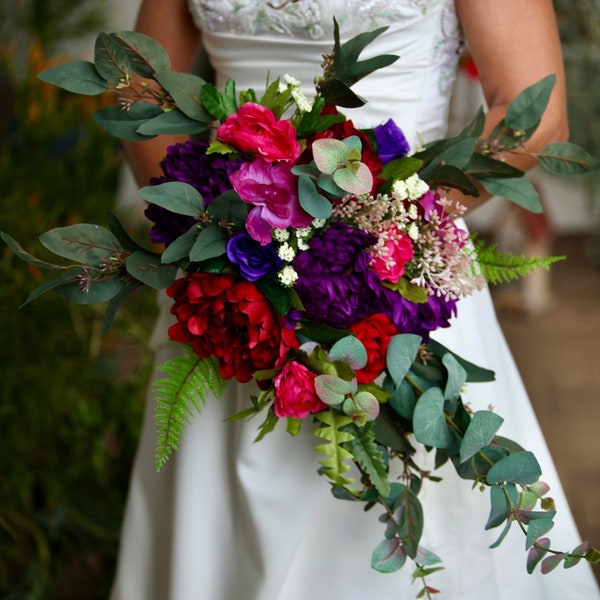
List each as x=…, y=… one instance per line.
x=303, y=18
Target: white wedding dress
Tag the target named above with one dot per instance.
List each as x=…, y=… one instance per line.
x=227, y=519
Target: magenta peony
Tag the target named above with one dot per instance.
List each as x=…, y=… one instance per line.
x=295, y=394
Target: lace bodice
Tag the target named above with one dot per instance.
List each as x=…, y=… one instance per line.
x=248, y=39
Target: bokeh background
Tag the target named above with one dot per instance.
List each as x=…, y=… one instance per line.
x=71, y=399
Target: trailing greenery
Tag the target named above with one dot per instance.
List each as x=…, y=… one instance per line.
x=188, y=382
x=502, y=267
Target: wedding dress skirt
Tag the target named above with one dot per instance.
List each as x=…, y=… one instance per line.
x=228, y=519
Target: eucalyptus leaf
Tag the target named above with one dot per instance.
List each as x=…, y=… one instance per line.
x=519, y=467
x=185, y=89
x=124, y=124
x=429, y=420
x=526, y=110
x=389, y=556
x=474, y=372
x=518, y=190
x=146, y=55
x=69, y=276
x=172, y=122
x=575, y=555
x=475, y=127
x=457, y=375
x=452, y=177
x=482, y=165
x=209, y=244
x=84, y=243
x=404, y=399
x=502, y=535
x=111, y=60
x=401, y=353
x=480, y=433
x=412, y=526
x=351, y=350
x=78, y=76
x=500, y=506
x=21, y=253
x=551, y=562
x=537, y=529
x=331, y=389
x=311, y=201
x=536, y=554
x=119, y=232
x=176, y=196
x=147, y=268
x=180, y=248
x=229, y=207
x=116, y=301
x=357, y=181
x=564, y=158
x=98, y=291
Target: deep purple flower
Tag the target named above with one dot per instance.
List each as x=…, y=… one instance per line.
x=421, y=319
x=252, y=259
x=189, y=163
x=335, y=284
x=391, y=142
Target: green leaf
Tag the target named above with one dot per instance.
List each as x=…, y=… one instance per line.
x=68, y=276
x=519, y=190
x=500, y=506
x=480, y=433
x=389, y=556
x=99, y=290
x=209, y=244
x=526, y=110
x=401, y=353
x=230, y=208
x=172, y=122
x=185, y=89
x=148, y=268
x=332, y=389
x=410, y=291
x=277, y=295
x=564, y=158
x=520, y=467
x=175, y=196
x=482, y=165
x=475, y=127
x=21, y=253
x=575, y=555
x=124, y=124
x=220, y=106
x=311, y=201
x=369, y=456
x=146, y=55
x=551, y=562
x=457, y=376
x=537, y=529
x=351, y=350
x=429, y=421
x=453, y=177
x=128, y=286
x=119, y=232
x=536, y=554
x=180, y=247
x=84, y=243
x=111, y=60
x=332, y=431
x=78, y=76
x=189, y=381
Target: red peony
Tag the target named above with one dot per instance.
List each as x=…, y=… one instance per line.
x=295, y=394
x=375, y=333
x=254, y=129
x=399, y=251
x=229, y=318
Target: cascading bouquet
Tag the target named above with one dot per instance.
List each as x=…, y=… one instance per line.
x=318, y=259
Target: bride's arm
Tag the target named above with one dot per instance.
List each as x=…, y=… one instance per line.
x=514, y=44
x=171, y=25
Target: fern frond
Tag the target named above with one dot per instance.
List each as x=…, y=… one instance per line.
x=501, y=267
x=331, y=430
x=369, y=456
x=188, y=383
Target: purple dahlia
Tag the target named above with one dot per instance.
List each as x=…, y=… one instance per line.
x=189, y=163
x=334, y=283
x=421, y=319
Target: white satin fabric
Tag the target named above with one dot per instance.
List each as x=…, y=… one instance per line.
x=228, y=519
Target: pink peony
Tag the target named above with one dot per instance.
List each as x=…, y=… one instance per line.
x=399, y=251
x=273, y=191
x=295, y=394
x=254, y=129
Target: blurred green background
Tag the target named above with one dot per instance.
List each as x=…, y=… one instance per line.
x=71, y=400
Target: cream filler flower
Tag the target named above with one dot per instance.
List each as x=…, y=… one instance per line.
x=411, y=188
x=287, y=276
x=302, y=102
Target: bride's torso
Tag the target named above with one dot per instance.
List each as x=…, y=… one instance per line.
x=248, y=40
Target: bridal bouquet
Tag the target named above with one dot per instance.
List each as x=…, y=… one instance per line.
x=318, y=259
